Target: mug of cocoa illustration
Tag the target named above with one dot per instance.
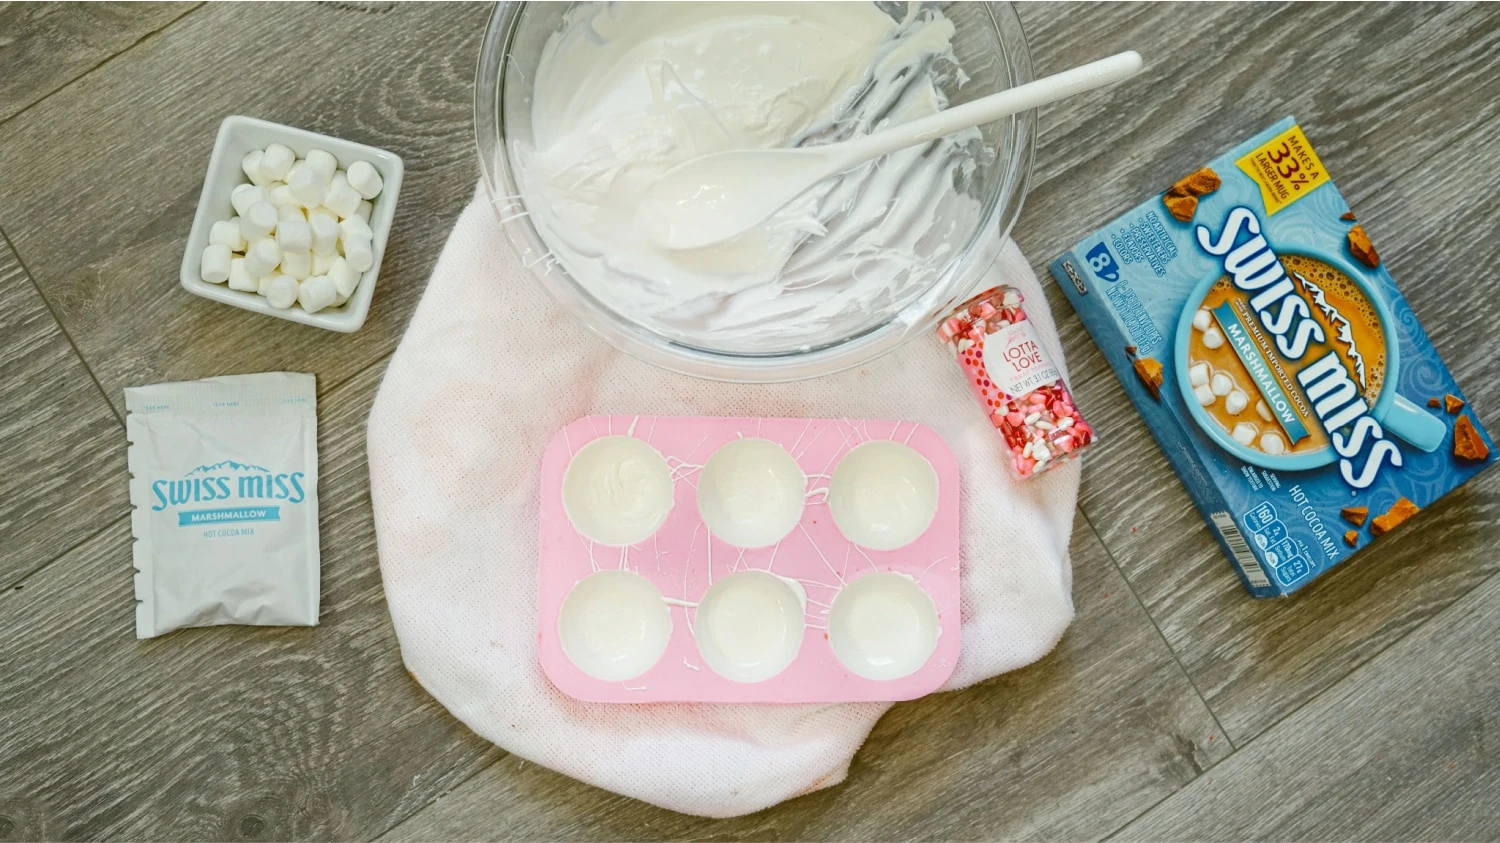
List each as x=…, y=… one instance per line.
x=1293, y=367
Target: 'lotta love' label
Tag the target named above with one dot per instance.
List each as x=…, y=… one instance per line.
x=1015, y=360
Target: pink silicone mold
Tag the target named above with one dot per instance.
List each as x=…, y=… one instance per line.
x=681, y=560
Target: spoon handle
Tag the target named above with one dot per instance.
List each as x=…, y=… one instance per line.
x=1048, y=89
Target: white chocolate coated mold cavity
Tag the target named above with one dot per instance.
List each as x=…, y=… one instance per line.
x=883, y=495
x=751, y=493
x=750, y=625
x=617, y=490
x=883, y=626
x=743, y=624
x=614, y=625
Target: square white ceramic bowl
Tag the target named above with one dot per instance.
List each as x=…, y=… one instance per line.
x=238, y=135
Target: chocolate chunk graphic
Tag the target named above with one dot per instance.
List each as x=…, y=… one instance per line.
x=1180, y=207
x=1150, y=373
x=1467, y=444
x=1401, y=510
x=1359, y=246
x=1198, y=183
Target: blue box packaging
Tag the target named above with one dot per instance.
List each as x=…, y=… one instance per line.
x=1259, y=334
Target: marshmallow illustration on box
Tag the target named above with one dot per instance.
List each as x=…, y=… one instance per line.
x=301, y=232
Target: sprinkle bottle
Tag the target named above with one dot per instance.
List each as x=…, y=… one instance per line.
x=1016, y=382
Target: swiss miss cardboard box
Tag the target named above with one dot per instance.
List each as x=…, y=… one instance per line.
x=1256, y=329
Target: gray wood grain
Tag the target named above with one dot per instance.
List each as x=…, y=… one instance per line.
x=1404, y=749
x=1415, y=172
x=62, y=465
x=44, y=46
x=1068, y=748
x=131, y=162
x=226, y=733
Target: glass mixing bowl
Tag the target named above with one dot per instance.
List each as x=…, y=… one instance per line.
x=991, y=50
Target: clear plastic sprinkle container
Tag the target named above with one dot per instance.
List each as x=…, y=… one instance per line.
x=1019, y=386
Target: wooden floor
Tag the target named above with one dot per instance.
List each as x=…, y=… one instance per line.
x=1366, y=707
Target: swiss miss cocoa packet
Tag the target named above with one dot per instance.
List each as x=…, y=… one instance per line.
x=224, y=485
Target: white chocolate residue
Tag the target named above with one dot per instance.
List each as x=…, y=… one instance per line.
x=883, y=495
x=751, y=493
x=625, y=92
x=617, y=490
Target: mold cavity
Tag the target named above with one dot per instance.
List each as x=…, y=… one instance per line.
x=751, y=492
x=617, y=490
x=750, y=626
x=883, y=495
x=883, y=626
x=614, y=625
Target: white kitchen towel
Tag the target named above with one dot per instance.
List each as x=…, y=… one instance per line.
x=488, y=371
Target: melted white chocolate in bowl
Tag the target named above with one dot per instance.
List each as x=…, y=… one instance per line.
x=625, y=92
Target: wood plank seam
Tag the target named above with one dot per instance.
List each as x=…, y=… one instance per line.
x=136, y=43
x=1177, y=660
x=52, y=311
x=20, y=583
x=1332, y=687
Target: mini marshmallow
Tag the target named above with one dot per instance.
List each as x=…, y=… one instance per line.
x=1221, y=383
x=355, y=228
x=317, y=293
x=359, y=255
x=363, y=177
x=322, y=163
x=1236, y=402
x=341, y=199
x=280, y=195
x=263, y=283
x=1198, y=374
x=1212, y=338
x=1262, y=410
x=1272, y=443
x=345, y=279
x=297, y=264
x=1204, y=395
x=239, y=277
x=1244, y=433
x=325, y=232
x=294, y=235
x=282, y=291
x=227, y=232
x=308, y=188
x=365, y=209
x=322, y=264
x=262, y=257
x=289, y=213
x=251, y=165
x=276, y=161
x=259, y=221
x=216, y=262
x=244, y=196
x=1202, y=320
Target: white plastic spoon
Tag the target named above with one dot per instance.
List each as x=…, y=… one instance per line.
x=715, y=197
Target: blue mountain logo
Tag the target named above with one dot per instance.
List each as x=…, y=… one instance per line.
x=227, y=465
